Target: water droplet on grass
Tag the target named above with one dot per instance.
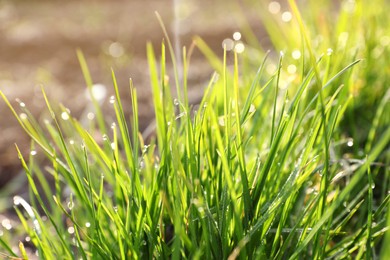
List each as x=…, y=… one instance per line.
x=115, y=209
x=274, y=7
x=6, y=223
x=286, y=17
x=237, y=36
x=176, y=102
x=23, y=116
x=112, y=99
x=71, y=141
x=329, y=51
x=70, y=205
x=90, y=116
x=350, y=142
x=116, y=49
x=239, y=47
x=99, y=92
x=228, y=44
x=296, y=54
x=71, y=230
x=221, y=121
x=87, y=224
x=252, y=108
x=65, y=116
x=180, y=115
x=291, y=69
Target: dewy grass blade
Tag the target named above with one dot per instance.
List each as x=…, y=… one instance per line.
x=276, y=98
x=239, y=146
x=89, y=83
x=251, y=93
x=77, y=179
x=124, y=130
x=370, y=198
x=242, y=175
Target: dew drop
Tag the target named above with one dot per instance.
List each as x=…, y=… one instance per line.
x=6, y=223
x=350, y=142
x=70, y=205
x=274, y=7
x=296, y=54
x=71, y=230
x=65, y=116
x=33, y=152
x=115, y=209
x=90, y=116
x=228, y=44
x=99, y=92
x=221, y=121
x=145, y=148
x=71, y=141
x=23, y=116
x=113, y=125
x=373, y=186
x=176, y=102
x=87, y=224
x=237, y=36
x=105, y=137
x=116, y=49
x=112, y=99
x=286, y=17
x=329, y=51
x=291, y=69
x=180, y=115
x=113, y=146
x=252, y=108
x=239, y=47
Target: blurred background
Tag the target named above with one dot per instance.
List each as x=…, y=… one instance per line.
x=39, y=39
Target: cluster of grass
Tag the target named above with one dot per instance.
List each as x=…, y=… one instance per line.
x=272, y=164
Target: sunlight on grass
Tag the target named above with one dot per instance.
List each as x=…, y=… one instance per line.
x=286, y=156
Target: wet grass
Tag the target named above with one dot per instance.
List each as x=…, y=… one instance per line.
x=286, y=156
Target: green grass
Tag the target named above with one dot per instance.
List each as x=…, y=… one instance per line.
x=272, y=164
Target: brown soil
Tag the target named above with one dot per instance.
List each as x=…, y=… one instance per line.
x=39, y=39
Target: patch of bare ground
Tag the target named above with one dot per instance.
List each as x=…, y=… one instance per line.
x=38, y=49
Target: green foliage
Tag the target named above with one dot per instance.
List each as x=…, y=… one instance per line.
x=259, y=170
